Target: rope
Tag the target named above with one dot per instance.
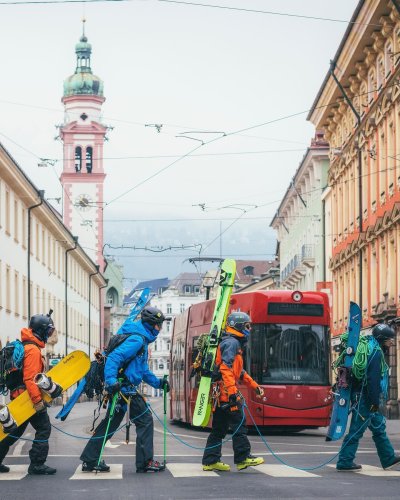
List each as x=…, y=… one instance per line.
x=320, y=466
x=76, y=436
x=175, y=436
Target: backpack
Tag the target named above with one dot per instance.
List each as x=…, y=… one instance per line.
x=11, y=361
x=95, y=376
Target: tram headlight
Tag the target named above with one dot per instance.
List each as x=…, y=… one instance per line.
x=297, y=296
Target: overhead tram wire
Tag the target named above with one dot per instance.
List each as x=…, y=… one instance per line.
x=195, y=4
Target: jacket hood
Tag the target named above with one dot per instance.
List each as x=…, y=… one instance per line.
x=27, y=335
x=148, y=332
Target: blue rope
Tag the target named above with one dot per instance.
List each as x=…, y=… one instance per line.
x=198, y=447
x=110, y=434
x=302, y=468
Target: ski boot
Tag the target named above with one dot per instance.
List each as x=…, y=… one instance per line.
x=4, y=468
x=152, y=466
x=219, y=466
x=41, y=470
x=250, y=461
x=93, y=467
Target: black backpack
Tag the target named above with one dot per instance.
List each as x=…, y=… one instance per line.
x=95, y=376
x=11, y=361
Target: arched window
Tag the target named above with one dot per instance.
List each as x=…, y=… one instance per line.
x=89, y=159
x=78, y=159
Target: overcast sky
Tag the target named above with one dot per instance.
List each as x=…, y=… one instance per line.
x=189, y=68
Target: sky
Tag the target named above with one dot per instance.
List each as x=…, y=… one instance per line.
x=222, y=80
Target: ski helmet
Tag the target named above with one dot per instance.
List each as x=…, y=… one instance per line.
x=240, y=321
x=42, y=326
x=383, y=332
x=152, y=316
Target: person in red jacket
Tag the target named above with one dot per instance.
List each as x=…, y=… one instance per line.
x=228, y=411
x=34, y=338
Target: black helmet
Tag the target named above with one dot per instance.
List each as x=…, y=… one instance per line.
x=238, y=321
x=383, y=332
x=42, y=326
x=152, y=316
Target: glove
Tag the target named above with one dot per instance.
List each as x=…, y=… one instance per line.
x=112, y=389
x=374, y=409
x=235, y=402
x=164, y=384
x=41, y=406
x=259, y=391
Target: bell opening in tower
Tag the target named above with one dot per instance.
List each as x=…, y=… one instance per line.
x=78, y=159
x=89, y=159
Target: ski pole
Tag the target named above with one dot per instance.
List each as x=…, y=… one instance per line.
x=165, y=420
x=110, y=416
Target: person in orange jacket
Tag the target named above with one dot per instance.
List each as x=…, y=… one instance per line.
x=228, y=411
x=34, y=338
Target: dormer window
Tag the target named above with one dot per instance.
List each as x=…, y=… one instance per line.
x=248, y=270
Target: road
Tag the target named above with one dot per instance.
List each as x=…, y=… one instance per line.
x=184, y=478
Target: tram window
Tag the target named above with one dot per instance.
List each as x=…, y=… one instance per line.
x=289, y=354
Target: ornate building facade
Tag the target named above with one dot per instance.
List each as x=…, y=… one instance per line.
x=300, y=223
x=358, y=107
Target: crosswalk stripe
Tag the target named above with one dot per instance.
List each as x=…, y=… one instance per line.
x=189, y=470
x=16, y=472
x=115, y=473
x=277, y=470
x=371, y=470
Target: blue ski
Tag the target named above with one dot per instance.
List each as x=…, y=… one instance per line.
x=135, y=311
x=64, y=412
x=341, y=402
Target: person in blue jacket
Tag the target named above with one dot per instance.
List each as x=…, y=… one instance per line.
x=130, y=357
x=365, y=397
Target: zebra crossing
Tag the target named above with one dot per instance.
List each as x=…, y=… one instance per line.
x=194, y=470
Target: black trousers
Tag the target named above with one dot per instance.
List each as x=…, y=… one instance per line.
x=144, y=432
x=40, y=447
x=222, y=420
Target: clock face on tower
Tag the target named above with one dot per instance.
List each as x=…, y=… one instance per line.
x=83, y=202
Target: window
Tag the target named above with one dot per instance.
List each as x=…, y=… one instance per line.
x=8, y=215
x=8, y=289
x=16, y=293
x=23, y=224
x=196, y=289
x=169, y=308
x=78, y=159
x=187, y=289
x=289, y=354
x=89, y=159
x=16, y=220
x=248, y=270
x=181, y=308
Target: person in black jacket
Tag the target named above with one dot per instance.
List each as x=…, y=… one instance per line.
x=365, y=397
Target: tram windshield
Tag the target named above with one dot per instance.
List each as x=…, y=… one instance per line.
x=289, y=354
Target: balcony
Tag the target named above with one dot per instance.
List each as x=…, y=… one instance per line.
x=293, y=272
x=307, y=256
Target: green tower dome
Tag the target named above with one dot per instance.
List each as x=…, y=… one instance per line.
x=83, y=81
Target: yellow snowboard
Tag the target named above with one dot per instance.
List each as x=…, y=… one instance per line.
x=66, y=373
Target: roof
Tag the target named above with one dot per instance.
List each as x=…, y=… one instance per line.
x=260, y=267
x=154, y=286
x=186, y=279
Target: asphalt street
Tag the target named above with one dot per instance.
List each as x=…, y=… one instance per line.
x=184, y=478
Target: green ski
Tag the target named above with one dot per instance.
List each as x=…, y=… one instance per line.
x=202, y=409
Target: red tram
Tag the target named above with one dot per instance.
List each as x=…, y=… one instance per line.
x=288, y=354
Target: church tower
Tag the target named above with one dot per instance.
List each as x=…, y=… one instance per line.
x=83, y=137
